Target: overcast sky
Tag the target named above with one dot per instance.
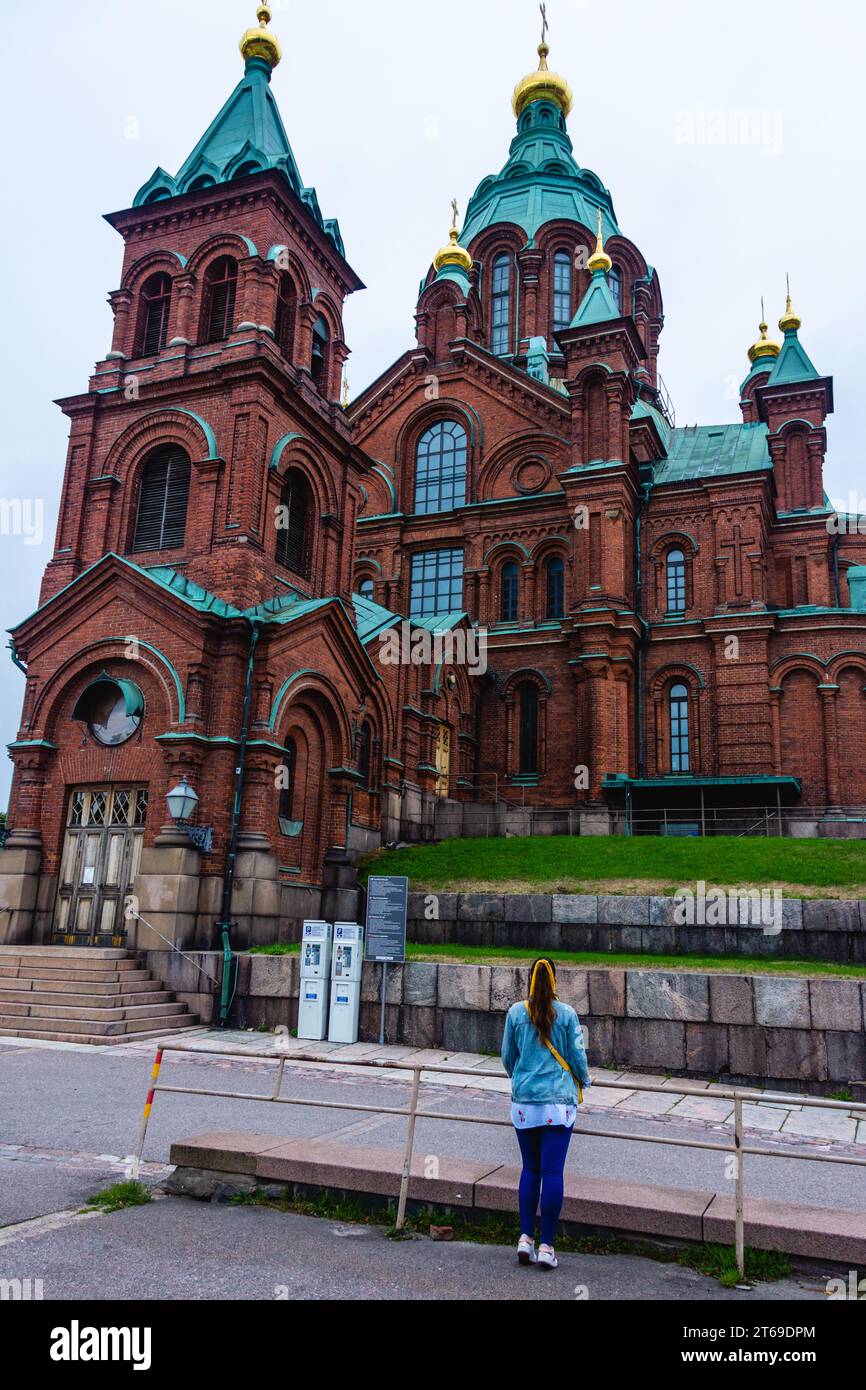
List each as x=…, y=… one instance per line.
x=392, y=109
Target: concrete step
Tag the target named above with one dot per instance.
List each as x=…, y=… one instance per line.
x=75, y=961
x=26, y=1026
x=192, y=1025
x=67, y=1003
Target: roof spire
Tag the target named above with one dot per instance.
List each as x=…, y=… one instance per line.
x=600, y=260
x=261, y=43
x=543, y=85
x=453, y=254
x=790, y=322
x=764, y=347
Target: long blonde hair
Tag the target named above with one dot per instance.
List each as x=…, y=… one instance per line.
x=542, y=993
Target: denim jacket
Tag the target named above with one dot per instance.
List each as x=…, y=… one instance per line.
x=536, y=1076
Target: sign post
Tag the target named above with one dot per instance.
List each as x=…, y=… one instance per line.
x=387, y=907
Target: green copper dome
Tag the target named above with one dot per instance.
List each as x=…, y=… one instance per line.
x=542, y=182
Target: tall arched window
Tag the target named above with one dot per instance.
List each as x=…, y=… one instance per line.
x=153, y=318
x=529, y=730
x=508, y=592
x=501, y=306
x=319, y=363
x=293, y=519
x=284, y=322
x=220, y=292
x=615, y=282
x=287, y=784
x=676, y=581
x=365, y=754
x=556, y=587
x=365, y=588
x=162, y=500
x=562, y=296
x=681, y=760
x=440, y=472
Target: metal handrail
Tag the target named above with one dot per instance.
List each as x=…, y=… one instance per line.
x=412, y=1113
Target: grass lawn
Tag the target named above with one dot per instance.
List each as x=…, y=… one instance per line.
x=643, y=864
x=591, y=960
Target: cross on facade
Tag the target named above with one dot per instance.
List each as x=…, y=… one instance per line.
x=739, y=548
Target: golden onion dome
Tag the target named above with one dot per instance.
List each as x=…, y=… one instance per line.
x=452, y=254
x=261, y=43
x=600, y=260
x=790, y=322
x=764, y=347
x=542, y=85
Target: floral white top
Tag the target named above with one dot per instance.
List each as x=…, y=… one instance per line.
x=543, y=1116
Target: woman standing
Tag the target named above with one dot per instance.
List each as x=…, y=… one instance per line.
x=544, y=1054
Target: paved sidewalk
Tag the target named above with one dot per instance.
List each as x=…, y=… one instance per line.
x=767, y=1112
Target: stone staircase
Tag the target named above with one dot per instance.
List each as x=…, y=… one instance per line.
x=71, y=994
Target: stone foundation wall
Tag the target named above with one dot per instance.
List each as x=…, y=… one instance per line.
x=811, y=930
x=794, y=1033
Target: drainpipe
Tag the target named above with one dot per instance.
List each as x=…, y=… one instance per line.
x=225, y=925
x=13, y=652
x=837, y=578
x=640, y=702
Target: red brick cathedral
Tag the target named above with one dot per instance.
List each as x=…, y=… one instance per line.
x=673, y=617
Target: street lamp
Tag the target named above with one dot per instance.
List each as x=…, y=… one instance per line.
x=182, y=801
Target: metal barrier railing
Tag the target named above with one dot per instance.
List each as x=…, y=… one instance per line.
x=739, y=1149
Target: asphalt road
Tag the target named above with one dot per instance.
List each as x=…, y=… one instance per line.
x=69, y=1118
x=91, y=1102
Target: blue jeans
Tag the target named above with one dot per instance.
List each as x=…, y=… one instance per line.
x=544, y=1152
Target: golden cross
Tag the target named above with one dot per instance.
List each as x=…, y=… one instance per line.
x=456, y=213
x=545, y=27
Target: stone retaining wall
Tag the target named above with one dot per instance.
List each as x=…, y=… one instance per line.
x=811, y=929
x=796, y=1033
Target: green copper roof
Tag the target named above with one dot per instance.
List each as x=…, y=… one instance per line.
x=793, y=363
x=247, y=136
x=372, y=620
x=542, y=182
x=644, y=411
x=714, y=451
x=598, y=304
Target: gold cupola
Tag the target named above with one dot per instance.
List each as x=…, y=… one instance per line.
x=600, y=260
x=453, y=254
x=261, y=43
x=542, y=85
x=790, y=322
x=764, y=347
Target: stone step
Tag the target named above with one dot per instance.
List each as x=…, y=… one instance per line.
x=109, y=1014
x=91, y=952
x=192, y=1025
x=76, y=960
x=129, y=984
x=33, y=972
x=25, y=1026
x=132, y=981
x=68, y=1003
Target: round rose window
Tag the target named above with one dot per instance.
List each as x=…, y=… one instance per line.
x=112, y=710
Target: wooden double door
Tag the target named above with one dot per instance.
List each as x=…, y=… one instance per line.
x=101, y=854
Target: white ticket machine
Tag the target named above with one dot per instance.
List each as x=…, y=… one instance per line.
x=315, y=976
x=346, y=964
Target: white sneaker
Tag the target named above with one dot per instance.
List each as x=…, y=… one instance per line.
x=546, y=1258
x=526, y=1251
